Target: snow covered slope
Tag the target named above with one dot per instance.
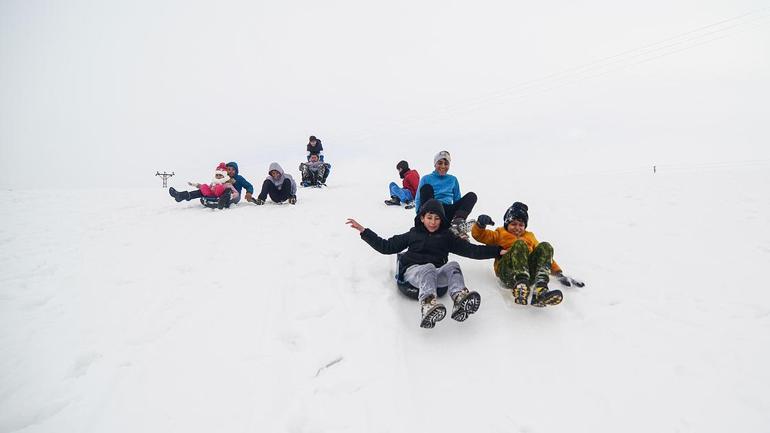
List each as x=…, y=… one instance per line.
x=123, y=311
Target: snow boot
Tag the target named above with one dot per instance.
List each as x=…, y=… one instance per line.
x=394, y=201
x=176, y=194
x=293, y=199
x=179, y=195
x=521, y=292
x=224, y=200
x=432, y=312
x=466, y=303
x=409, y=204
x=460, y=227
x=541, y=296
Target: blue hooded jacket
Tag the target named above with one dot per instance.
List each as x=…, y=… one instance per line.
x=240, y=181
x=446, y=189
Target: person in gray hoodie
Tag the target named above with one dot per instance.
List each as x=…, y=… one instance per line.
x=278, y=185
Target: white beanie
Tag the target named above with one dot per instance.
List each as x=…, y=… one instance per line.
x=442, y=155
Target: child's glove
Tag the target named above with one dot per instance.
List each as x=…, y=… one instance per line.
x=568, y=281
x=193, y=184
x=484, y=220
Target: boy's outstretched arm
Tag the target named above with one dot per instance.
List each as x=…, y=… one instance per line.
x=394, y=245
x=467, y=249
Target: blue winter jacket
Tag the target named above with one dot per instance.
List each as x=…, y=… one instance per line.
x=446, y=189
x=240, y=181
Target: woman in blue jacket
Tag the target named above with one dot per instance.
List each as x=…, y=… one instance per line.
x=445, y=188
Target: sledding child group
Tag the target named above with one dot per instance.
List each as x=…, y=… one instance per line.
x=521, y=263
x=226, y=187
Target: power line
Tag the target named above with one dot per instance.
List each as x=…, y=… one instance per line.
x=681, y=42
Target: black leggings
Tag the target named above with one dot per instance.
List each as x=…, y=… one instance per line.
x=277, y=195
x=459, y=209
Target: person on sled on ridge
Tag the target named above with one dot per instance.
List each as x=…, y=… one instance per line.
x=410, y=180
x=425, y=263
x=446, y=189
x=278, y=185
x=313, y=172
x=232, y=171
x=526, y=267
x=220, y=188
x=315, y=147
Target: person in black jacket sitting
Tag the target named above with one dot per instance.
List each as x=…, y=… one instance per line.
x=315, y=147
x=425, y=264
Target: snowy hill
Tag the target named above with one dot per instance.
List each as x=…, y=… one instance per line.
x=123, y=311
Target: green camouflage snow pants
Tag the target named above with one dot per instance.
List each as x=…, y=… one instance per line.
x=519, y=265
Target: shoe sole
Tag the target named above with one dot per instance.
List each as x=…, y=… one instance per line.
x=552, y=297
x=520, y=294
x=468, y=306
x=437, y=314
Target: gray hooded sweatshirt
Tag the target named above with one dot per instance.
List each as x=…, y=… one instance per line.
x=279, y=182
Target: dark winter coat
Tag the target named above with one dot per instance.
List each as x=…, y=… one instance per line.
x=424, y=247
x=240, y=181
x=317, y=149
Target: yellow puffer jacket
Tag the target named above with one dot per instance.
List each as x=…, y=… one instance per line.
x=505, y=239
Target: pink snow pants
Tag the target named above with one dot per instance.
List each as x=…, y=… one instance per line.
x=207, y=191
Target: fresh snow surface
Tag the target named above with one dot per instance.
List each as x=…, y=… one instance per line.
x=123, y=311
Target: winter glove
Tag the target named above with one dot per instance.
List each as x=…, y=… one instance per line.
x=568, y=281
x=484, y=220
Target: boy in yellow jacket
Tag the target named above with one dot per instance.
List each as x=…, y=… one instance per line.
x=526, y=266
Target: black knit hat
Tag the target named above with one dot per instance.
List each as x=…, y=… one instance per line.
x=517, y=211
x=432, y=206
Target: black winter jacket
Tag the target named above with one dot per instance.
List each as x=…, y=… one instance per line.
x=425, y=247
x=315, y=150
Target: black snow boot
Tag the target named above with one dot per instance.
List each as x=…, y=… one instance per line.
x=174, y=193
x=542, y=296
x=394, y=201
x=183, y=195
x=432, y=312
x=520, y=292
x=224, y=200
x=466, y=303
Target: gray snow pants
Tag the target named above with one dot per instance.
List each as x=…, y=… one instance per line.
x=426, y=278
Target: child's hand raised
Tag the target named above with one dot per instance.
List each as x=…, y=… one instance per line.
x=354, y=224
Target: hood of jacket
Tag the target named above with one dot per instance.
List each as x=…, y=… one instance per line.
x=234, y=165
x=432, y=206
x=278, y=182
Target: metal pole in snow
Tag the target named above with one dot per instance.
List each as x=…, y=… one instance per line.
x=164, y=176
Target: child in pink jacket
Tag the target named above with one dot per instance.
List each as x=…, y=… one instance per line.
x=220, y=187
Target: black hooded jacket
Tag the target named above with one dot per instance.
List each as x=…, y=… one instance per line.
x=315, y=150
x=425, y=247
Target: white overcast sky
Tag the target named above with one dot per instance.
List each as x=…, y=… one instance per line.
x=124, y=88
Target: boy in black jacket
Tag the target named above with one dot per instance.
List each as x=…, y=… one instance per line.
x=425, y=264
